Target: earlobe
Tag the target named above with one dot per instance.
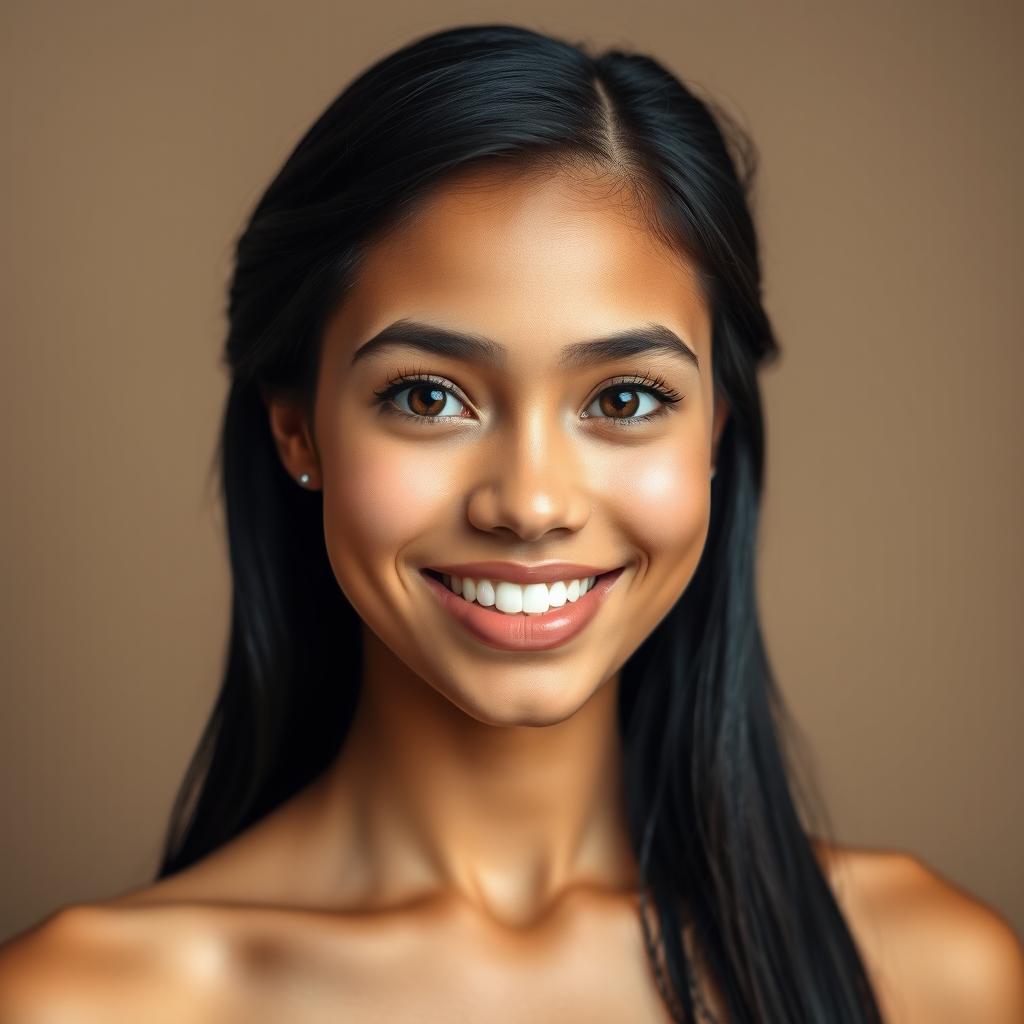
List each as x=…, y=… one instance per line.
x=293, y=439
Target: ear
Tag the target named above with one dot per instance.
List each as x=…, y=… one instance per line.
x=721, y=415
x=294, y=438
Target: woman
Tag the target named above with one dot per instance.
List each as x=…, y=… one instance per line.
x=497, y=737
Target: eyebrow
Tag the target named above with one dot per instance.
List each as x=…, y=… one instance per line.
x=474, y=348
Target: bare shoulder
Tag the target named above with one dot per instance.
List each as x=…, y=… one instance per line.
x=96, y=962
x=936, y=952
x=164, y=951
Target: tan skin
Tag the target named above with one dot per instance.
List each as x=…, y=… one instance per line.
x=466, y=856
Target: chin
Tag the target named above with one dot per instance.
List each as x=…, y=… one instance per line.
x=518, y=704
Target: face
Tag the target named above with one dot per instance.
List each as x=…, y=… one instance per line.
x=431, y=453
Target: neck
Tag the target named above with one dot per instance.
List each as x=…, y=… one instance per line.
x=506, y=818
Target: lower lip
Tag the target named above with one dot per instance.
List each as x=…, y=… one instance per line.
x=523, y=632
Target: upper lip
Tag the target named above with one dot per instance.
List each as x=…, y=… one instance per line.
x=517, y=572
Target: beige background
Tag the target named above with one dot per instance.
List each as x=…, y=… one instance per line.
x=138, y=135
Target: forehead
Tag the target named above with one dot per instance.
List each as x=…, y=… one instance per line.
x=531, y=260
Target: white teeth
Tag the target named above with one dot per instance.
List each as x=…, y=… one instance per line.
x=508, y=597
x=514, y=598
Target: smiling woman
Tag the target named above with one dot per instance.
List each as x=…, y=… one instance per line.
x=497, y=733
x=514, y=437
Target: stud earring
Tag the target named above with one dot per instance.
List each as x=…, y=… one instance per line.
x=304, y=479
x=712, y=472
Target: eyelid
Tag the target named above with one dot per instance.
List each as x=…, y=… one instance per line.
x=649, y=382
x=402, y=379
x=405, y=381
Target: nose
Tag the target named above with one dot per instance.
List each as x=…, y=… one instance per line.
x=531, y=484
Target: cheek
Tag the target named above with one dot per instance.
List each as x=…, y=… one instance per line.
x=663, y=497
x=382, y=495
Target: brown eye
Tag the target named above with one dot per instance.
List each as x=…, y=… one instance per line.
x=420, y=399
x=426, y=399
x=620, y=404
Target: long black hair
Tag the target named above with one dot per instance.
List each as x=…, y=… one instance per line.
x=713, y=795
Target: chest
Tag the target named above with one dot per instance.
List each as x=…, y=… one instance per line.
x=601, y=977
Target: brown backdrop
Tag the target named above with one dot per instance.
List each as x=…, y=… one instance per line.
x=139, y=135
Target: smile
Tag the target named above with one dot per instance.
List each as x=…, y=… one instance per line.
x=521, y=617
x=511, y=598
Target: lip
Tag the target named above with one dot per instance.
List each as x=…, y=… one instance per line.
x=524, y=632
x=517, y=572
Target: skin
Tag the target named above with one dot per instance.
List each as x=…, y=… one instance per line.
x=467, y=851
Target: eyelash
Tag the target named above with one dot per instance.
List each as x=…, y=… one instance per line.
x=656, y=386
